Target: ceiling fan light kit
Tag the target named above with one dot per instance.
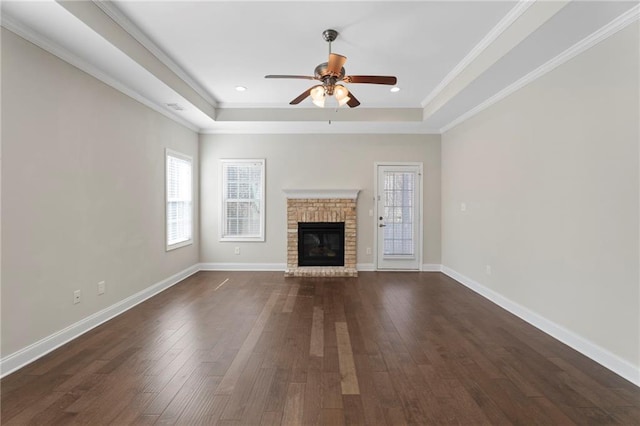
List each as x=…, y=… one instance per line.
x=317, y=96
x=330, y=73
x=342, y=94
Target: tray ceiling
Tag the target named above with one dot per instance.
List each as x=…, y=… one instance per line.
x=449, y=57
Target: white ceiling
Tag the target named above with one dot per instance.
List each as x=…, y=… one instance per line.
x=449, y=56
x=224, y=44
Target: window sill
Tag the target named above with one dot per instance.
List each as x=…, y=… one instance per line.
x=242, y=239
x=179, y=245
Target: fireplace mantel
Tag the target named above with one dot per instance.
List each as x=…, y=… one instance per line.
x=301, y=194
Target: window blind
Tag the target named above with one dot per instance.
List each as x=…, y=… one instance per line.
x=179, y=199
x=398, y=195
x=243, y=199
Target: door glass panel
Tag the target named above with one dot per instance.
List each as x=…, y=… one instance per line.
x=399, y=190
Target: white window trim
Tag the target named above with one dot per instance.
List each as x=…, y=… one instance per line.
x=222, y=215
x=176, y=154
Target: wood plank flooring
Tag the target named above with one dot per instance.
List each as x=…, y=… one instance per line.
x=254, y=348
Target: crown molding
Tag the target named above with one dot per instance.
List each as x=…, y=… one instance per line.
x=65, y=55
x=318, y=127
x=495, y=32
x=313, y=114
x=621, y=22
x=121, y=19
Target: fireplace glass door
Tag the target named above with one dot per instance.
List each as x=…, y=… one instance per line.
x=321, y=244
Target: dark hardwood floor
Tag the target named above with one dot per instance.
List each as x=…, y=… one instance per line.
x=384, y=348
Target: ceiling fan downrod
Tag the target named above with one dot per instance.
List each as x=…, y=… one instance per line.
x=329, y=36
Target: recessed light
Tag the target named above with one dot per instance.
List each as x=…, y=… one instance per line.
x=395, y=89
x=241, y=88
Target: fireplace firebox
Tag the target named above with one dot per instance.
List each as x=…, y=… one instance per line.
x=320, y=243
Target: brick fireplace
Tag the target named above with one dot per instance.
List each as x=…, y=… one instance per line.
x=318, y=206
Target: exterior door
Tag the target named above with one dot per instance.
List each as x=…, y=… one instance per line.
x=398, y=216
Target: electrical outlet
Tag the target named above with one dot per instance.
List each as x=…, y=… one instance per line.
x=488, y=269
x=463, y=207
x=76, y=297
x=102, y=287
x=371, y=212
x=236, y=250
x=368, y=250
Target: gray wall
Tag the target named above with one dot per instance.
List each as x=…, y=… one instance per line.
x=549, y=176
x=82, y=194
x=550, y=179
x=314, y=162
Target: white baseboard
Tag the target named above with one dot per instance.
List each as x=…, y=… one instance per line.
x=600, y=355
x=42, y=347
x=26, y=355
x=243, y=266
x=365, y=267
x=427, y=267
x=250, y=267
x=431, y=267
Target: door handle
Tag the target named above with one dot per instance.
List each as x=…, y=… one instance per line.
x=382, y=225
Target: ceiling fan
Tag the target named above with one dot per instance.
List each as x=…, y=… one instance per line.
x=330, y=74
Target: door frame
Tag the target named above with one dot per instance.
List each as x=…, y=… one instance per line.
x=419, y=243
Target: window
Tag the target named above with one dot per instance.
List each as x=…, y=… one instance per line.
x=399, y=195
x=179, y=199
x=242, y=200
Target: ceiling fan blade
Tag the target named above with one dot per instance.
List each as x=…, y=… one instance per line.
x=371, y=79
x=335, y=64
x=302, y=97
x=304, y=77
x=353, y=102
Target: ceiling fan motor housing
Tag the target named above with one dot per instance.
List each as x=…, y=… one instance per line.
x=322, y=71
